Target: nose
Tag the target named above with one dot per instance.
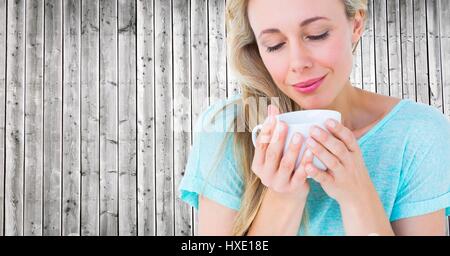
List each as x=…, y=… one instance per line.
x=300, y=58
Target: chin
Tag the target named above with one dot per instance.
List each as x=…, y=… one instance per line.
x=314, y=102
x=306, y=106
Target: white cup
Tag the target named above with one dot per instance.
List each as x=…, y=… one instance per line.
x=301, y=122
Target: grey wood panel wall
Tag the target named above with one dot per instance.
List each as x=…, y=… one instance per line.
x=99, y=98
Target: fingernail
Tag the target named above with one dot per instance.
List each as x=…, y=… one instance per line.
x=331, y=123
x=316, y=131
x=296, y=138
x=276, y=134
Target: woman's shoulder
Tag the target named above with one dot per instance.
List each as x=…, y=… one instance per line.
x=421, y=116
x=421, y=124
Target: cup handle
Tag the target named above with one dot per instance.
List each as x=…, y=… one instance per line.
x=254, y=131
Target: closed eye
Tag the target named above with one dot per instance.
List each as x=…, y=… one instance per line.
x=314, y=38
x=319, y=37
x=274, y=48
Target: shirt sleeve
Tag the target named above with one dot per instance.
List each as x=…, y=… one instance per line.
x=425, y=185
x=210, y=171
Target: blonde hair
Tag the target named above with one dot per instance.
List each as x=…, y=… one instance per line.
x=255, y=82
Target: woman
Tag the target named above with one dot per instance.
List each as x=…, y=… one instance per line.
x=387, y=162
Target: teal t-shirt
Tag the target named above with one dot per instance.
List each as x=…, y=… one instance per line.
x=407, y=155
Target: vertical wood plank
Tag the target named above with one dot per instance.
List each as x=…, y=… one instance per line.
x=89, y=118
x=52, y=117
x=108, y=119
x=368, y=52
x=199, y=53
x=33, y=118
x=71, y=120
x=146, y=124
x=217, y=50
x=127, y=118
x=434, y=54
x=232, y=81
x=407, y=39
x=2, y=107
x=356, y=75
x=381, y=51
x=163, y=117
x=199, y=69
x=445, y=53
x=182, y=109
x=14, y=118
x=421, y=51
x=394, y=46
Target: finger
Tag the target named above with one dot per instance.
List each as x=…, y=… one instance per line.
x=265, y=135
x=262, y=142
x=287, y=163
x=273, y=110
x=308, y=157
x=344, y=134
x=319, y=176
x=331, y=143
x=327, y=158
x=275, y=149
x=300, y=175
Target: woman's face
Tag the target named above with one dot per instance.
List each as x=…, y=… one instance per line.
x=300, y=40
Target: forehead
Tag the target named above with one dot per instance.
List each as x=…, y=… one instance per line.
x=265, y=14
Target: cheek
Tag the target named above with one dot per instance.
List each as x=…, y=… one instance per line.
x=277, y=65
x=336, y=55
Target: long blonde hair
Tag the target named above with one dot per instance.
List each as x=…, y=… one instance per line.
x=255, y=82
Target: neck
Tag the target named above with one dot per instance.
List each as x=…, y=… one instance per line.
x=349, y=103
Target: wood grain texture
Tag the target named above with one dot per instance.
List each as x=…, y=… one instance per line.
x=33, y=118
x=217, y=50
x=394, y=48
x=421, y=52
x=14, y=133
x=3, y=38
x=53, y=52
x=368, y=51
x=109, y=150
x=182, y=110
x=90, y=173
x=381, y=47
x=407, y=38
x=357, y=71
x=71, y=119
x=163, y=119
x=127, y=118
x=145, y=115
x=434, y=54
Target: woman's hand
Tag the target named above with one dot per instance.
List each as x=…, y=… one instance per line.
x=346, y=179
x=275, y=170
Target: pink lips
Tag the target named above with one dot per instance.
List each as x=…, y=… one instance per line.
x=310, y=85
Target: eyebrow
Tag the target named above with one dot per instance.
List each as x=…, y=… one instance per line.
x=302, y=24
